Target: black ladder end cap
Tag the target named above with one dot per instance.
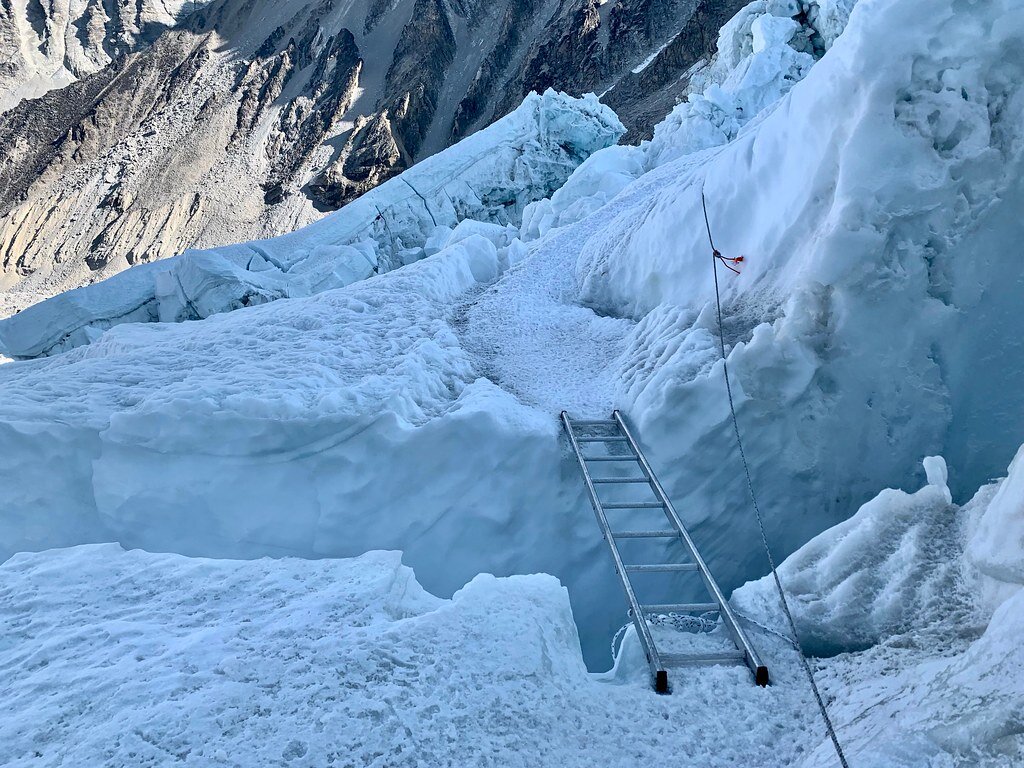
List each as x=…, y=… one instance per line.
x=761, y=676
x=661, y=681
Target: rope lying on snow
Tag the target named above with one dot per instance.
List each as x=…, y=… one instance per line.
x=716, y=257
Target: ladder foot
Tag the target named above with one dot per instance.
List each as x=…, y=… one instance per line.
x=661, y=681
x=761, y=676
x=618, y=432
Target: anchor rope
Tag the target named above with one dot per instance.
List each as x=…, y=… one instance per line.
x=716, y=257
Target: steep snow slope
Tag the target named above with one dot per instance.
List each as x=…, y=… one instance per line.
x=157, y=658
x=417, y=409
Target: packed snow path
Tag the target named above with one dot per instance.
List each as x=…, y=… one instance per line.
x=534, y=334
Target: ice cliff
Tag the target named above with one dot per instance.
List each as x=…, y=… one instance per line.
x=871, y=180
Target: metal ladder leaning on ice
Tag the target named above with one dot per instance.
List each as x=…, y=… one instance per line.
x=609, y=433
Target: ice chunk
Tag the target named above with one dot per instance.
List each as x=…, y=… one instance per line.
x=762, y=52
x=871, y=576
x=996, y=546
x=937, y=474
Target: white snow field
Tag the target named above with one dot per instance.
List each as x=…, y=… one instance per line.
x=131, y=658
x=868, y=172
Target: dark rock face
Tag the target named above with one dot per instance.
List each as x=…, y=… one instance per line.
x=515, y=20
x=640, y=97
x=73, y=127
x=369, y=157
x=425, y=52
x=587, y=48
x=385, y=143
x=206, y=127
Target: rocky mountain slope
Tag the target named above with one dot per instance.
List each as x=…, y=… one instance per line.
x=164, y=124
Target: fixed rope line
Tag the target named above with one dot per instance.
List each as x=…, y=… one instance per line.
x=716, y=257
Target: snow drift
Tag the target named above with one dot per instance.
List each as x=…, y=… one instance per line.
x=930, y=659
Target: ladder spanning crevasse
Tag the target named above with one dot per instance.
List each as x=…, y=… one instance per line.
x=621, y=450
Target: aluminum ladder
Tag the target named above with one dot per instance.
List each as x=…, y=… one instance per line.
x=614, y=431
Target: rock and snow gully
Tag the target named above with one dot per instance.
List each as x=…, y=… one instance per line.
x=867, y=162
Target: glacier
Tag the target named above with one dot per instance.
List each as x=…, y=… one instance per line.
x=311, y=662
x=865, y=160
x=417, y=409
x=489, y=178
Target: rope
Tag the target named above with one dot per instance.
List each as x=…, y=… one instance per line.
x=620, y=633
x=765, y=628
x=716, y=257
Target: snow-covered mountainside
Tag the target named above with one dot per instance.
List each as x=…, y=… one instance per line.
x=165, y=125
x=390, y=378
x=48, y=45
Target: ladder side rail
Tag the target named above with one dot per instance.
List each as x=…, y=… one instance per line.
x=728, y=617
x=643, y=631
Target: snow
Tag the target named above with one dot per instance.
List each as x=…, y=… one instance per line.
x=997, y=538
x=417, y=409
x=650, y=59
x=870, y=577
x=490, y=177
x=871, y=336
x=876, y=203
x=128, y=657
x=297, y=662
x=760, y=57
x=927, y=671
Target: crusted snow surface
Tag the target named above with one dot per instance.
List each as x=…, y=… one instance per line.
x=925, y=661
x=131, y=658
x=490, y=177
x=127, y=657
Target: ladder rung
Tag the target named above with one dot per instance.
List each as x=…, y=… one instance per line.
x=632, y=505
x=616, y=431
x=656, y=567
x=680, y=608
x=682, y=659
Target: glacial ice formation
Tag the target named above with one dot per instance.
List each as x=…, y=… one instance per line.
x=417, y=409
x=490, y=177
x=263, y=662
